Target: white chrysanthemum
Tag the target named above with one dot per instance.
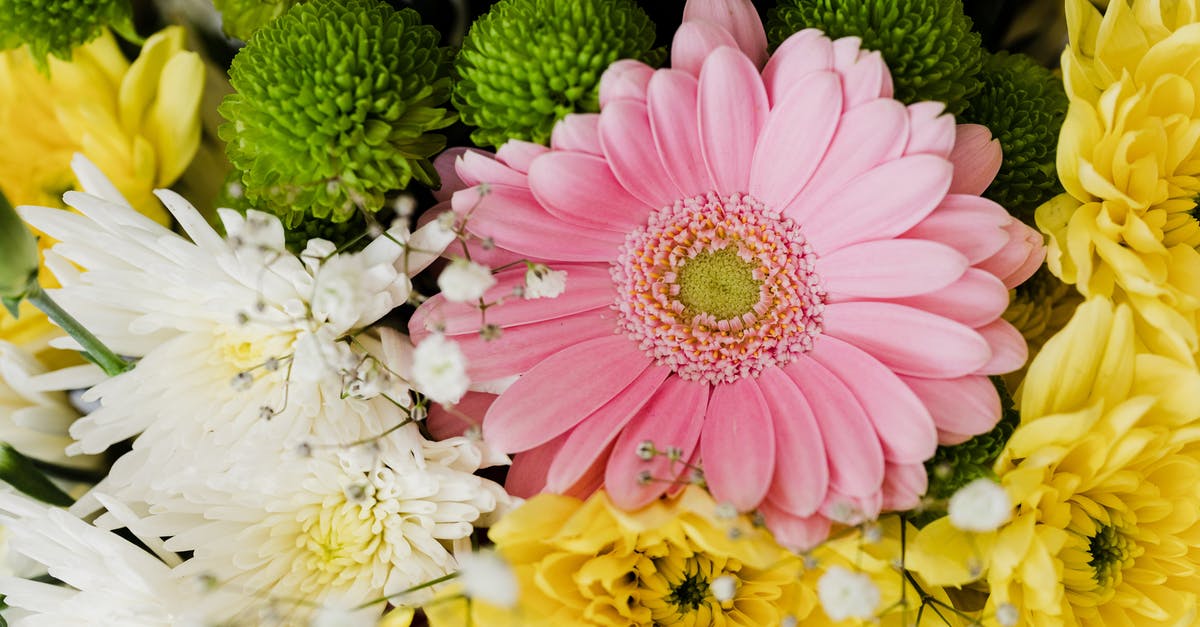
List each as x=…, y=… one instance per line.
x=345, y=525
x=465, y=281
x=221, y=325
x=34, y=417
x=107, y=580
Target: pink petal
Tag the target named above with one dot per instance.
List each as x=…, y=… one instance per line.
x=851, y=446
x=477, y=167
x=671, y=99
x=907, y=340
x=578, y=132
x=852, y=510
x=520, y=348
x=733, y=108
x=588, y=287
x=596, y=433
x=674, y=417
x=867, y=136
x=626, y=78
x=801, y=54
x=625, y=135
x=447, y=174
x=866, y=78
x=932, y=132
x=739, y=17
x=581, y=189
x=1009, y=350
x=448, y=422
x=972, y=225
x=976, y=158
x=527, y=476
x=975, y=299
x=591, y=480
x=801, y=470
x=737, y=446
x=1020, y=257
x=795, y=137
x=514, y=219
x=902, y=424
x=915, y=185
x=562, y=390
x=889, y=268
x=694, y=41
x=903, y=486
x=518, y=154
x=966, y=406
x=794, y=532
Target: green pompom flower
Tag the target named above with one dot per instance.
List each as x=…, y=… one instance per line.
x=58, y=26
x=953, y=467
x=333, y=107
x=240, y=18
x=528, y=63
x=1024, y=105
x=928, y=44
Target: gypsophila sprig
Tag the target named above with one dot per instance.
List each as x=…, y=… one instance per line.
x=528, y=63
x=334, y=107
x=56, y=27
x=240, y=18
x=1023, y=104
x=928, y=44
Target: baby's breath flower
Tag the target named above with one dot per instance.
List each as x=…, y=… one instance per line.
x=465, y=281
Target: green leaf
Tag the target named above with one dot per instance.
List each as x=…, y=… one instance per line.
x=18, y=255
x=21, y=473
x=12, y=305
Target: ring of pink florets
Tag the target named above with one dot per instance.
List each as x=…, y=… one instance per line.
x=781, y=326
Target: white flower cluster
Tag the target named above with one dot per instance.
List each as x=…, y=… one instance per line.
x=277, y=443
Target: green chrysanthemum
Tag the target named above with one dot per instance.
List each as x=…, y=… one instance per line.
x=240, y=18
x=1024, y=105
x=58, y=26
x=528, y=63
x=333, y=107
x=928, y=44
x=953, y=467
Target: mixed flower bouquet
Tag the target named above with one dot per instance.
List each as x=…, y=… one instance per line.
x=599, y=312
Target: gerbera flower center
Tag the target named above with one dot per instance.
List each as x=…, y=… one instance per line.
x=718, y=288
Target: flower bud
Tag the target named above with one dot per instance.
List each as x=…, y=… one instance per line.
x=18, y=257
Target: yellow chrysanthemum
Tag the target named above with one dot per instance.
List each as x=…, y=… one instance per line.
x=138, y=121
x=589, y=563
x=1129, y=159
x=1039, y=308
x=1102, y=472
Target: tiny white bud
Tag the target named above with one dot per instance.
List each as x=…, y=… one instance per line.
x=845, y=594
x=723, y=588
x=488, y=577
x=980, y=506
x=439, y=369
x=1007, y=615
x=465, y=281
x=542, y=282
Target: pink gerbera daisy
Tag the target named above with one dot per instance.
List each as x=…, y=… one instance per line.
x=783, y=276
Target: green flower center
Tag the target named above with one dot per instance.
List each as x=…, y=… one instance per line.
x=691, y=592
x=719, y=283
x=1109, y=551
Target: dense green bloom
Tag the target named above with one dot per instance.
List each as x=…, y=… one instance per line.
x=928, y=44
x=528, y=63
x=1024, y=105
x=333, y=107
x=58, y=26
x=953, y=467
x=240, y=18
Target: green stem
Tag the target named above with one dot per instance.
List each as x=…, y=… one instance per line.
x=112, y=363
